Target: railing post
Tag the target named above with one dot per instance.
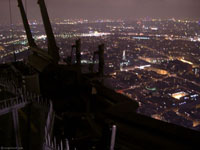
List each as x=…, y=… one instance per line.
x=112, y=143
x=67, y=144
x=54, y=142
x=16, y=127
x=61, y=145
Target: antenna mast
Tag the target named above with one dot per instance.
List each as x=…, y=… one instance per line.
x=26, y=25
x=53, y=50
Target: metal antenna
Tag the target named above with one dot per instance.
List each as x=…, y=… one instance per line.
x=31, y=41
x=53, y=50
x=100, y=53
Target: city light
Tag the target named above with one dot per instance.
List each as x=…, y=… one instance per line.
x=94, y=34
x=179, y=95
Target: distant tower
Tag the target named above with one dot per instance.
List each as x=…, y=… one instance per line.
x=124, y=55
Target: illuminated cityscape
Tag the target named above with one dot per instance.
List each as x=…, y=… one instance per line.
x=99, y=74
x=153, y=61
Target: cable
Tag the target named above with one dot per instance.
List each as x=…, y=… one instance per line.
x=10, y=11
x=11, y=27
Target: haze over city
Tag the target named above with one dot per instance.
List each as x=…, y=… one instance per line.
x=94, y=9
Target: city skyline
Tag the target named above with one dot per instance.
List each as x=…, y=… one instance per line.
x=155, y=62
x=94, y=9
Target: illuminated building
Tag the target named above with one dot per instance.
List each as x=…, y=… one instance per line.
x=179, y=95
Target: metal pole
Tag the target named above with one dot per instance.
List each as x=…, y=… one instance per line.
x=113, y=136
x=16, y=127
x=67, y=144
x=101, y=59
x=78, y=52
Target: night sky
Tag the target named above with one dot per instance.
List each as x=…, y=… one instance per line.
x=89, y=9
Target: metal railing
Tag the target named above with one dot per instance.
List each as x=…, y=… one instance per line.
x=51, y=143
